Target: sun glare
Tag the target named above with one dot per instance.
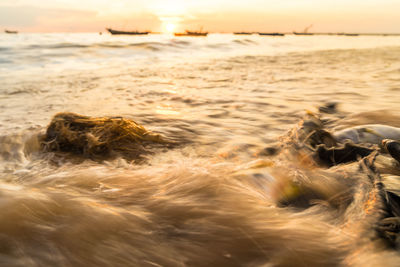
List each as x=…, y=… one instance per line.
x=169, y=27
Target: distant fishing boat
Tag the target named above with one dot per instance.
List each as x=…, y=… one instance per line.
x=12, y=32
x=271, y=33
x=303, y=33
x=191, y=33
x=116, y=32
x=347, y=34
x=243, y=33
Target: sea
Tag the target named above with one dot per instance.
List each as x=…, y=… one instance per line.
x=214, y=200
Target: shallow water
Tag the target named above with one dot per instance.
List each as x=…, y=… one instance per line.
x=213, y=201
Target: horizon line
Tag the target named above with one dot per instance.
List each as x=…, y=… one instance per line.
x=226, y=32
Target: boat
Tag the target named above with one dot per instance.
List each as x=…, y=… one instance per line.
x=347, y=34
x=303, y=33
x=12, y=32
x=117, y=32
x=191, y=33
x=243, y=33
x=271, y=33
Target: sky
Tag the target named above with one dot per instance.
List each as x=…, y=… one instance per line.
x=364, y=16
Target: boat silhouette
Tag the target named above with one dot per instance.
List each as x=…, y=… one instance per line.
x=271, y=33
x=243, y=33
x=118, y=32
x=191, y=33
x=303, y=33
x=11, y=32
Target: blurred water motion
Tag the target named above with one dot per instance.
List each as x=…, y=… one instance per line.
x=217, y=200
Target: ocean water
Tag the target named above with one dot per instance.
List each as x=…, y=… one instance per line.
x=215, y=200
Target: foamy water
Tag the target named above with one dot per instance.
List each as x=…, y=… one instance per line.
x=212, y=201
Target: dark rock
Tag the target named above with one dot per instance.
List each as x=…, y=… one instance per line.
x=393, y=148
x=336, y=155
x=330, y=107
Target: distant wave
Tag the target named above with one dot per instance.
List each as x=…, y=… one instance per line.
x=57, y=46
x=244, y=41
x=152, y=46
x=38, y=51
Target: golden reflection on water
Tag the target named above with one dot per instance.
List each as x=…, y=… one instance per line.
x=167, y=110
x=171, y=91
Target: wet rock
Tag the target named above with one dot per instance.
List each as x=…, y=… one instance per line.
x=321, y=137
x=311, y=132
x=300, y=197
x=389, y=229
x=372, y=133
x=270, y=151
x=337, y=155
x=393, y=148
x=330, y=107
x=99, y=138
x=354, y=159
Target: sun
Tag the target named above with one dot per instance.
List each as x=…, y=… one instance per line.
x=169, y=27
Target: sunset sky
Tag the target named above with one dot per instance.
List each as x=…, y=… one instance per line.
x=212, y=15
